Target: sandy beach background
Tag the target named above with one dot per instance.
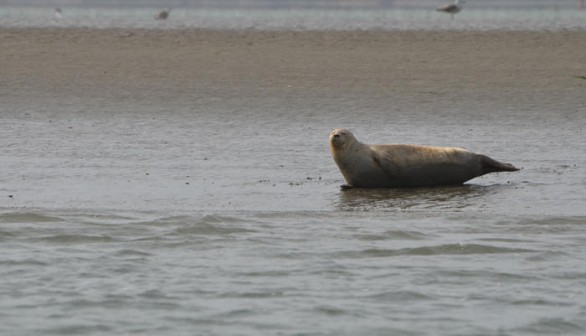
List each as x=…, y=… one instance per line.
x=415, y=66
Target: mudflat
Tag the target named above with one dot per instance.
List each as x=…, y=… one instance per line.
x=379, y=61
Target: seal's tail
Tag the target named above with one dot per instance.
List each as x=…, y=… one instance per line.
x=491, y=165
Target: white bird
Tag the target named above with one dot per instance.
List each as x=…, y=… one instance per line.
x=452, y=9
x=58, y=13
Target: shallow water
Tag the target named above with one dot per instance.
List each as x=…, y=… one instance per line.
x=555, y=16
x=295, y=273
x=222, y=214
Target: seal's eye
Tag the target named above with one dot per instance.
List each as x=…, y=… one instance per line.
x=336, y=135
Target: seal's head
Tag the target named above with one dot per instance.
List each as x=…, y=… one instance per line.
x=341, y=138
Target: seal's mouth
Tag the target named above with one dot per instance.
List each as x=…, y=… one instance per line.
x=336, y=140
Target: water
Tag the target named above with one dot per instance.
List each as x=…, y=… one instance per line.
x=317, y=15
x=215, y=210
x=295, y=273
x=159, y=218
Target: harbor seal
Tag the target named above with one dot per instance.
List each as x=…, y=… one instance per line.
x=400, y=166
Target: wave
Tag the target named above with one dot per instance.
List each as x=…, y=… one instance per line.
x=553, y=326
x=28, y=217
x=445, y=249
x=393, y=234
x=78, y=239
x=213, y=225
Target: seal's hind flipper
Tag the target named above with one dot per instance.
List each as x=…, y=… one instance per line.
x=490, y=165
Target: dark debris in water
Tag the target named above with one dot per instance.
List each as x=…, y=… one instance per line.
x=307, y=180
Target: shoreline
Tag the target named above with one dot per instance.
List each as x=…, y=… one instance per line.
x=139, y=61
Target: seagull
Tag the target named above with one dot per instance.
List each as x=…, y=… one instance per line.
x=454, y=8
x=58, y=13
x=162, y=15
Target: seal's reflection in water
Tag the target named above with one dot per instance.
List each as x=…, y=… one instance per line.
x=454, y=198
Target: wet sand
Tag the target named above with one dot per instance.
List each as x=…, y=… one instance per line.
x=226, y=98
x=169, y=62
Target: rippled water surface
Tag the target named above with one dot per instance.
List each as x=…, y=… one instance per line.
x=170, y=219
x=294, y=273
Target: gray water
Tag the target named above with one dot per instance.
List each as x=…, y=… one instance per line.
x=219, y=213
x=294, y=15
